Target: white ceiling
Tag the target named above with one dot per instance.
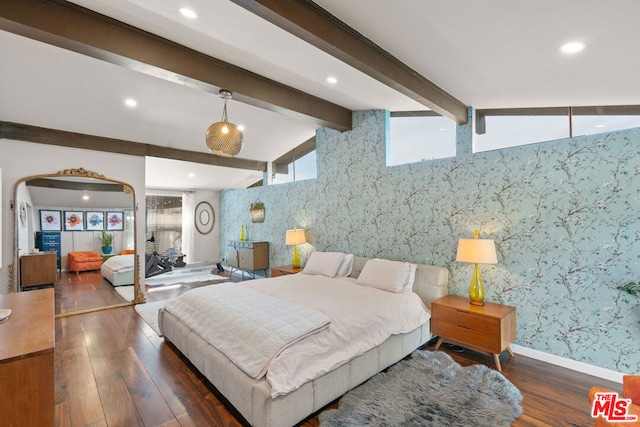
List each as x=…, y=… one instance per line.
x=488, y=54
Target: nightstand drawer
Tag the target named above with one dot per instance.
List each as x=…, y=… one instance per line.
x=466, y=319
x=466, y=336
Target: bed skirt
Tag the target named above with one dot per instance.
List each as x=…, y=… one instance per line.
x=252, y=398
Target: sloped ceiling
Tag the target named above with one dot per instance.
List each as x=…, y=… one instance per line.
x=490, y=54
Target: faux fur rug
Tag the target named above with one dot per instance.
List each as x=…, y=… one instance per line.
x=430, y=389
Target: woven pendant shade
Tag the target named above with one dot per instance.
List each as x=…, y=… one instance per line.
x=224, y=138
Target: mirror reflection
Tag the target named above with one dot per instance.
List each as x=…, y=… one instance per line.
x=77, y=229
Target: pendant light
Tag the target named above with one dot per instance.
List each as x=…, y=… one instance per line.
x=224, y=138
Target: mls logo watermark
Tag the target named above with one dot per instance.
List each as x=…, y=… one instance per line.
x=612, y=407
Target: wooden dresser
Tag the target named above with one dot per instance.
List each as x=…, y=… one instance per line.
x=490, y=327
x=38, y=269
x=27, y=340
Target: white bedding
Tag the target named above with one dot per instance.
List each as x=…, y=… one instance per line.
x=249, y=327
x=119, y=270
x=361, y=318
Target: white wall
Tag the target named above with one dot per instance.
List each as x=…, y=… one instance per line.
x=207, y=246
x=21, y=159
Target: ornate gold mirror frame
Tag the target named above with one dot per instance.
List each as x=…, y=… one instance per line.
x=70, y=173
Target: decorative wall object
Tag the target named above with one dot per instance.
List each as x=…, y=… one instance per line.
x=50, y=220
x=94, y=221
x=22, y=213
x=563, y=214
x=205, y=218
x=73, y=221
x=257, y=212
x=115, y=221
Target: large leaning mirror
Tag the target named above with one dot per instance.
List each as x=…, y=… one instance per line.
x=61, y=223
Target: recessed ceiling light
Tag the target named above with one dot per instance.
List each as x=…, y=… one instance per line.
x=191, y=174
x=85, y=197
x=573, y=47
x=188, y=13
x=599, y=126
x=130, y=102
x=332, y=80
x=241, y=128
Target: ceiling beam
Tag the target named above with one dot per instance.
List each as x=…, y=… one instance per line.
x=310, y=22
x=22, y=132
x=72, y=27
x=63, y=184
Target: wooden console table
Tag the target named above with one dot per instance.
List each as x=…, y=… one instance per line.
x=248, y=256
x=38, y=269
x=26, y=359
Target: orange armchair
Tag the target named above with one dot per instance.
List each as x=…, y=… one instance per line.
x=630, y=390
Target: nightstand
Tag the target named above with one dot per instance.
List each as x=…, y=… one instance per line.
x=284, y=270
x=490, y=328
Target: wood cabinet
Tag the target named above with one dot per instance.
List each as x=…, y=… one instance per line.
x=283, y=270
x=490, y=327
x=248, y=256
x=38, y=269
x=26, y=359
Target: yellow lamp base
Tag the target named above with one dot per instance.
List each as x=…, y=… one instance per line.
x=476, y=288
x=295, y=261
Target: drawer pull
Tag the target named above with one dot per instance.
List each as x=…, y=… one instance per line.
x=463, y=327
x=462, y=311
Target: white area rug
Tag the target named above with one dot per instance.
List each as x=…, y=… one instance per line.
x=149, y=313
x=183, y=276
x=125, y=291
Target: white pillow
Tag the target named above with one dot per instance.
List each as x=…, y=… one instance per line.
x=392, y=276
x=324, y=263
x=346, y=266
x=119, y=262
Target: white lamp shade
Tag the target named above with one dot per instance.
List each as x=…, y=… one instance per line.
x=295, y=237
x=477, y=251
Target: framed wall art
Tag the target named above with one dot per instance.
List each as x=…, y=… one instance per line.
x=115, y=221
x=204, y=218
x=50, y=220
x=94, y=220
x=73, y=221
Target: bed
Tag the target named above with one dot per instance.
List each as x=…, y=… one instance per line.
x=275, y=399
x=119, y=269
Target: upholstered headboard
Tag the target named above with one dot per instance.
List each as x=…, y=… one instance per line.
x=430, y=282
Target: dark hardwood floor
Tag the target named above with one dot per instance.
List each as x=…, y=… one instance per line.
x=111, y=369
x=83, y=291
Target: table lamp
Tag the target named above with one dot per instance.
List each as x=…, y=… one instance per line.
x=476, y=251
x=295, y=237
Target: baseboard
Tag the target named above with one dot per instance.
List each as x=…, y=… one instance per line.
x=574, y=365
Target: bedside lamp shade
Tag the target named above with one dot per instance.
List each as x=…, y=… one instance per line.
x=476, y=251
x=295, y=237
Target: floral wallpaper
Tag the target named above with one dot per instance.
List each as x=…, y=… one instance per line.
x=564, y=216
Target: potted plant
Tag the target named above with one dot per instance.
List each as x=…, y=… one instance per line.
x=106, y=240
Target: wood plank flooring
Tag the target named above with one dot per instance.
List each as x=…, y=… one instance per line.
x=111, y=369
x=84, y=291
